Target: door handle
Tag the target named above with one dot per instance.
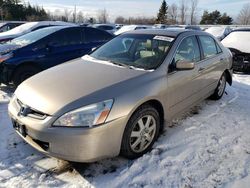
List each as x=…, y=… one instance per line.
x=201, y=69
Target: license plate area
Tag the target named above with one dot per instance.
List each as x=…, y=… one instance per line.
x=19, y=128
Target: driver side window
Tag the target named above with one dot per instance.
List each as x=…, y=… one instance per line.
x=188, y=50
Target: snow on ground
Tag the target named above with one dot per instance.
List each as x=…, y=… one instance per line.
x=210, y=147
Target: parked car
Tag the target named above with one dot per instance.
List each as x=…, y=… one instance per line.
x=116, y=100
x=44, y=48
x=28, y=27
x=118, y=26
x=238, y=42
x=127, y=28
x=160, y=26
x=6, y=26
x=220, y=32
x=193, y=27
x=111, y=28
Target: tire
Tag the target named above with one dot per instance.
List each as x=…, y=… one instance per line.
x=23, y=73
x=143, y=138
x=220, y=89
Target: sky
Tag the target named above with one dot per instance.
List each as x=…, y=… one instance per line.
x=126, y=8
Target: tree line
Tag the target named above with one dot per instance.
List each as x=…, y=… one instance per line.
x=17, y=10
x=181, y=12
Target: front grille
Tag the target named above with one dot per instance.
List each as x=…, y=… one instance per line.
x=31, y=112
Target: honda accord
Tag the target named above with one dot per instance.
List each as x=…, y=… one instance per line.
x=117, y=99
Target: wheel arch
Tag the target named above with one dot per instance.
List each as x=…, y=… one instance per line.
x=228, y=77
x=157, y=105
x=24, y=64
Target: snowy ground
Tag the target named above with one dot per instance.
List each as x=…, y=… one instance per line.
x=208, y=148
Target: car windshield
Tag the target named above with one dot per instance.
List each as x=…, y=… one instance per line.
x=216, y=31
x=135, y=50
x=34, y=36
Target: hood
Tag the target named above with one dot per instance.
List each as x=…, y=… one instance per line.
x=53, y=89
x=238, y=40
x=5, y=36
x=6, y=48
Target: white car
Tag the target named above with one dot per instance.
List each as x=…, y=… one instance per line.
x=238, y=42
x=220, y=32
x=29, y=27
x=127, y=28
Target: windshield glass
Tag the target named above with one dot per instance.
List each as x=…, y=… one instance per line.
x=135, y=50
x=216, y=31
x=20, y=29
x=34, y=36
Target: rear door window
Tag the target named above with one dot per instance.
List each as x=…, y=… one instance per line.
x=95, y=35
x=208, y=45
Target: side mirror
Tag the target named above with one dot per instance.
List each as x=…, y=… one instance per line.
x=184, y=65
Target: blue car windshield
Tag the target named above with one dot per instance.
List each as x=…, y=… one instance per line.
x=143, y=51
x=34, y=36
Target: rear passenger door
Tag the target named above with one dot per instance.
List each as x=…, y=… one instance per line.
x=212, y=64
x=93, y=38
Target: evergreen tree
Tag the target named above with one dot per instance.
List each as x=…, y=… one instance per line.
x=215, y=18
x=14, y=10
x=162, y=15
x=225, y=20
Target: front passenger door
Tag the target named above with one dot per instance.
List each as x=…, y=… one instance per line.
x=183, y=89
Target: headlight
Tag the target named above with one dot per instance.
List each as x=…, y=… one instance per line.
x=87, y=116
x=5, y=57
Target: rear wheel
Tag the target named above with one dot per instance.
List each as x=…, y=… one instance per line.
x=23, y=73
x=141, y=132
x=219, y=91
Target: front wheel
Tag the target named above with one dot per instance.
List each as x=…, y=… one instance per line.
x=219, y=91
x=141, y=132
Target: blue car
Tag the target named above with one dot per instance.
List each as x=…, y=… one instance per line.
x=34, y=52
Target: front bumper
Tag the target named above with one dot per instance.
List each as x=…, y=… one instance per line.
x=1, y=73
x=71, y=144
x=241, y=63
x=5, y=74
x=241, y=67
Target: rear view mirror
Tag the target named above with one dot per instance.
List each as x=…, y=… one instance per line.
x=184, y=65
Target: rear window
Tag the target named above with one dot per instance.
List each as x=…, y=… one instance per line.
x=105, y=27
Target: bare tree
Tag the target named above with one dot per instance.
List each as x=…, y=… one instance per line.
x=244, y=15
x=173, y=13
x=67, y=14
x=120, y=20
x=183, y=11
x=194, y=4
x=103, y=16
x=80, y=17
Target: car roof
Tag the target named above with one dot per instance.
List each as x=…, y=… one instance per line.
x=171, y=33
x=242, y=29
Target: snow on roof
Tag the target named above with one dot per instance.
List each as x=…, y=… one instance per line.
x=238, y=40
x=27, y=27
